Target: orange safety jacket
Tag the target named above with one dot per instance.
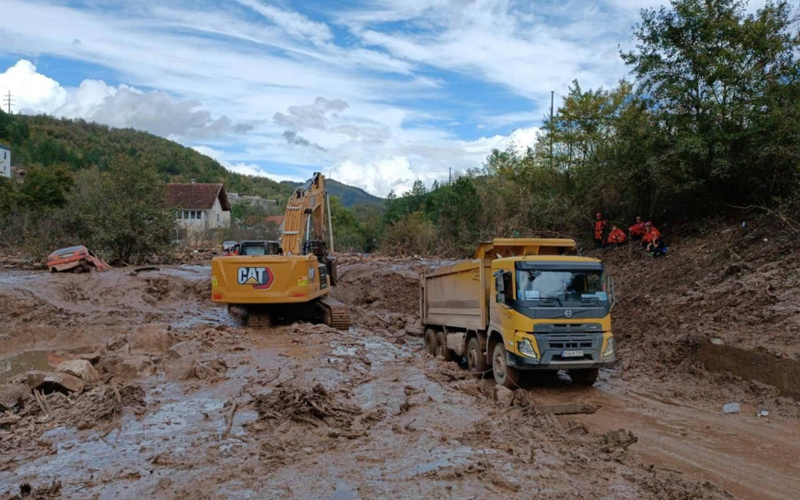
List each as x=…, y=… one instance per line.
x=651, y=235
x=617, y=236
x=638, y=229
x=599, y=227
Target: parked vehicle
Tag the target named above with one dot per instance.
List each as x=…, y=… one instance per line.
x=75, y=259
x=520, y=305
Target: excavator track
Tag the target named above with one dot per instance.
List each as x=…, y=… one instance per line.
x=250, y=317
x=326, y=311
x=336, y=313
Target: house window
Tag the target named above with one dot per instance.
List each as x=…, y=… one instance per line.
x=190, y=214
x=219, y=220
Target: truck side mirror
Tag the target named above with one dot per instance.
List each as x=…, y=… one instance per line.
x=499, y=288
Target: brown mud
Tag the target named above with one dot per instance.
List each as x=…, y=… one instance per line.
x=189, y=405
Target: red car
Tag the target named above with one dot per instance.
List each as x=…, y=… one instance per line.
x=78, y=258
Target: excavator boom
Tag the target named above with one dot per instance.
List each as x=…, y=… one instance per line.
x=305, y=212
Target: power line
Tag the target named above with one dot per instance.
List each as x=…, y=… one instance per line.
x=8, y=101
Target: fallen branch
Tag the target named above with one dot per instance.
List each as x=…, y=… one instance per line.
x=277, y=374
x=42, y=404
x=229, y=419
x=116, y=391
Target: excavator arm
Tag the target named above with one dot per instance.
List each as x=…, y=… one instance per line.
x=305, y=215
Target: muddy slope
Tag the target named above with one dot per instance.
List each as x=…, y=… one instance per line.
x=724, y=300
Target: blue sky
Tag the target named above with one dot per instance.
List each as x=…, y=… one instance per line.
x=376, y=93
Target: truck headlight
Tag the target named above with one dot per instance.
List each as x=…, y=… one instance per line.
x=526, y=348
x=610, y=348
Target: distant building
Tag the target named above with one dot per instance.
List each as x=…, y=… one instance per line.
x=200, y=207
x=5, y=161
x=253, y=200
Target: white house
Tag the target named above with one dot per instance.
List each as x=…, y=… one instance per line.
x=200, y=207
x=5, y=161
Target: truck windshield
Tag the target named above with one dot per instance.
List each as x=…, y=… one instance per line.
x=562, y=288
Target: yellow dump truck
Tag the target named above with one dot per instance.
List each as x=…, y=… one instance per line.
x=521, y=304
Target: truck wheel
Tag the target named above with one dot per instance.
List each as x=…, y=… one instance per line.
x=503, y=374
x=587, y=376
x=476, y=361
x=430, y=341
x=441, y=347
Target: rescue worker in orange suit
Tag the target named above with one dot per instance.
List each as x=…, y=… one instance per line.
x=637, y=230
x=651, y=234
x=616, y=237
x=599, y=230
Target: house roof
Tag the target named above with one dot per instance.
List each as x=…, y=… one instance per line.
x=277, y=219
x=197, y=196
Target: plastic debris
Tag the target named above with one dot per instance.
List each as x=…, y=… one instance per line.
x=731, y=408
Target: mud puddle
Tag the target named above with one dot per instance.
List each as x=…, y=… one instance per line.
x=137, y=453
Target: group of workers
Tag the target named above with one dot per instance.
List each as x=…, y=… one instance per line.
x=645, y=233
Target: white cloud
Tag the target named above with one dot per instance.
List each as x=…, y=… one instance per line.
x=531, y=48
x=32, y=91
x=294, y=23
x=123, y=106
x=245, y=168
x=398, y=165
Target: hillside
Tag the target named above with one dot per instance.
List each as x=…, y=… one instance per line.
x=46, y=141
x=725, y=299
x=348, y=195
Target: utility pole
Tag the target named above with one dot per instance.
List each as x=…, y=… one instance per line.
x=8, y=101
x=552, y=127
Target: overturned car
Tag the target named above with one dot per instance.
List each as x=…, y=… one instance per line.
x=75, y=259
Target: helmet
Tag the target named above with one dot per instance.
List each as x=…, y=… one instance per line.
x=598, y=215
x=648, y=223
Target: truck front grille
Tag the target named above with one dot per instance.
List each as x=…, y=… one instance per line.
x=564, y=341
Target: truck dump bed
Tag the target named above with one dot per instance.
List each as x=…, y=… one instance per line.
x=458, y=295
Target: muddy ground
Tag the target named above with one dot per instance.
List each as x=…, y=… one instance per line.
x=189, y=405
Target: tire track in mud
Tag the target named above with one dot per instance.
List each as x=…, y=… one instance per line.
x=750, y=457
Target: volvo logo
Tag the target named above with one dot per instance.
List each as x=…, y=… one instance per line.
x=568, y=313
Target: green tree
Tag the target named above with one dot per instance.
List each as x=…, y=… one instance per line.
x=709, y=71
x=121, y=213
x=45, y=187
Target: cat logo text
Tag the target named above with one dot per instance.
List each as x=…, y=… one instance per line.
x=260, y=278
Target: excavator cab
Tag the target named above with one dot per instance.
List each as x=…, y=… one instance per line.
x=259, y=248
x=319, y=249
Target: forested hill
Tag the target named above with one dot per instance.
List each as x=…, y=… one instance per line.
x=348, y=195
x=47, y=141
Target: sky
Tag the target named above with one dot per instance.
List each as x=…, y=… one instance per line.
x=373, y=93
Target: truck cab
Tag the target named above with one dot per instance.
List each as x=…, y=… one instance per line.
x=550, y=313
x=522, y=305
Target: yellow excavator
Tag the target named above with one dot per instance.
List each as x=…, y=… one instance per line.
x=269, y=283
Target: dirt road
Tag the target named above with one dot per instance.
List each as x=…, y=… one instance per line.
x=192, y=406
